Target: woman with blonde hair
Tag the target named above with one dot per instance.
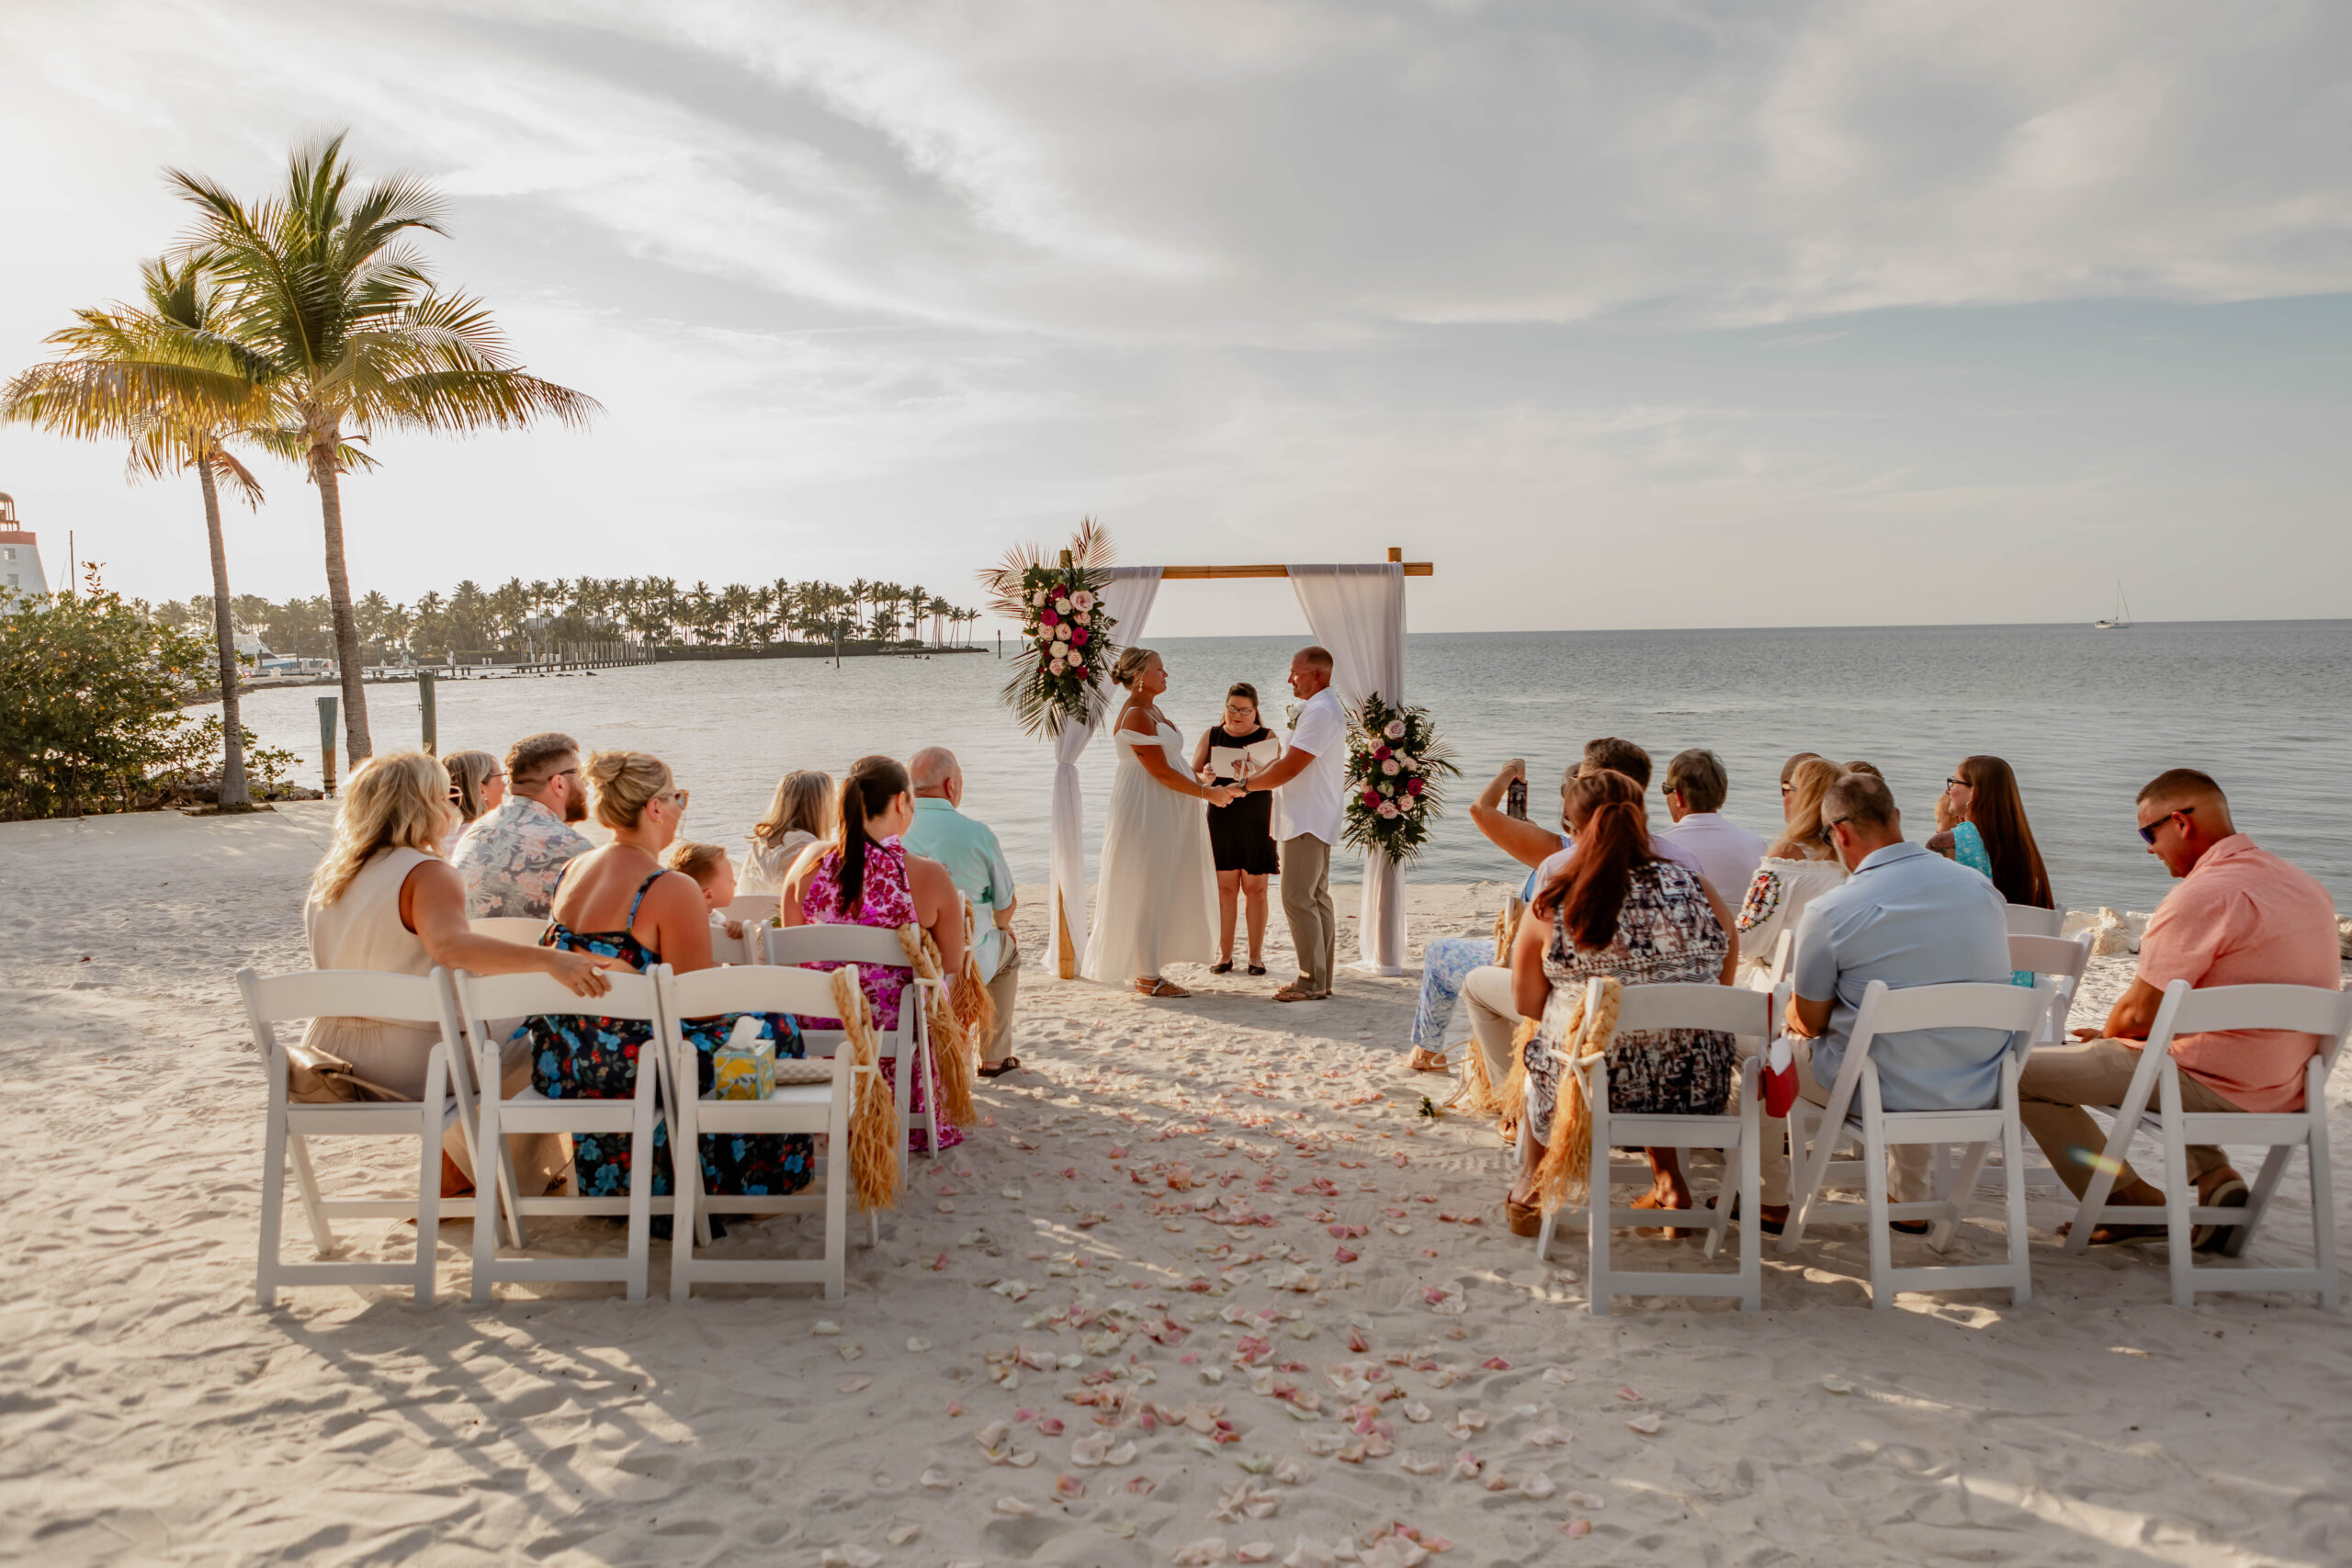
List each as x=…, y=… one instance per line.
x=385, y=900
x=477, y=784
x=1796, y=869
x=800, y=815
x=622, y=905
x=1157, y=882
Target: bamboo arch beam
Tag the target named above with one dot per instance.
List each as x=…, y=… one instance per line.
x=1065, y=959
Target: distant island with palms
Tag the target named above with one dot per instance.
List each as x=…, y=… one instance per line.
x=471, y=622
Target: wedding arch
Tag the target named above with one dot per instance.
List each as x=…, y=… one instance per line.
x=1357, y=611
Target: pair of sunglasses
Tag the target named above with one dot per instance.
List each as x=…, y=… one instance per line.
x=2148, y=833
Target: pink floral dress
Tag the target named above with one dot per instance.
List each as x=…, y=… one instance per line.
x=884, y=900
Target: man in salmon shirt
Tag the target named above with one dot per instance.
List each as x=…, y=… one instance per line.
x=2240, y=917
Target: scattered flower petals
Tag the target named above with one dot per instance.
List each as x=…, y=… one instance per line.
x=1068, y=1488
x=901, y=1534
x=1202, y=1553
x=1575, y=1527
x=1647, y=1425
x=938, y=1480
x=1538, y=1487
x=825, y=1325
x=1496, y=1364
x=1547, y=1436
x=918, y=1346
x=1838, y=1386
x=850, y=1557
x=856, y=1385
x=1014, y=1507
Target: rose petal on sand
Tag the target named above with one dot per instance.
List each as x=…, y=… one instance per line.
x=1141, y=1485
x=1588, y=1501
x=1547, y=1436
x=1538, y=1487
x=1069, y=1487
x=1836, y=1386
x=1421, y=1464
x=1288, y=1470
x=856, y=1385
x=850, y=1557
x=992, y=1436
x=1558, y=1374
x=1628, y=1395
x=1417, y=1412
x=825, y=1325
x=1014, y=1507
x=1202, y=1553
x=918, y=1346
x=1254, y=1551
x=1647, y=1425
x=1496, y=1364
x=1577, y=1527
x=938, y=1480
x=901, y=1534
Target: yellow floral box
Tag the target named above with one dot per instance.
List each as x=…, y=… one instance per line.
x=743, y=1070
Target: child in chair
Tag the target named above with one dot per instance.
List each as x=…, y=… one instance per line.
x=713, y=873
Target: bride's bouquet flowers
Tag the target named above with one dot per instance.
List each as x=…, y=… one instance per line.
x=1397, y=769
x=1059, y=676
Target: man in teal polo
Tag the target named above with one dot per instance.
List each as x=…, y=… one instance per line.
x=969, y=850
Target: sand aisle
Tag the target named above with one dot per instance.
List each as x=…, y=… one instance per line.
x=150, y=1412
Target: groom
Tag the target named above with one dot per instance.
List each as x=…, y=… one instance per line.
x=1311, y=775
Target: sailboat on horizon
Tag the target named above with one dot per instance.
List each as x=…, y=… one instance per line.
x=2122, y=621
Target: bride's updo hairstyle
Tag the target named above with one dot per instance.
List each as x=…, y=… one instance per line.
x=1129, y=669
x=622, y=782
x=867, y=790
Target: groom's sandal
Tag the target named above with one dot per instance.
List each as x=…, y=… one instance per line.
x=1298, y=993
x=1424, y=1060
x=998, y=1069
x=1161, y=988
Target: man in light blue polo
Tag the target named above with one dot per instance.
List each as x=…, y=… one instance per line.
x=969, y=850
x=1908, y=917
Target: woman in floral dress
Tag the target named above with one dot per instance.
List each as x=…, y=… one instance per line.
x=618, y=903
x=1617, y=909
x=865, y=877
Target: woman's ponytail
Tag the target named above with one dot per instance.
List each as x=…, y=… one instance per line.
x=1612, y=839
x=867, y=789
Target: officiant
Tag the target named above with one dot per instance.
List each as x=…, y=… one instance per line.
x=1242, y=835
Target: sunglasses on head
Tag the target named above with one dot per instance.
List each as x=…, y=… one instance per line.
x=2148, y=833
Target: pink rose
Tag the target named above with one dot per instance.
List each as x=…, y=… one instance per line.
x=1389, y=767
x=1056, y=667
x=1388, y=808
x=1396, y=730
x=1082, y=599
x=1077, y=660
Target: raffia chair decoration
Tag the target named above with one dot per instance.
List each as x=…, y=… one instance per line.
x=952, y=1039
x=1565, y=1176
x=874, y=1169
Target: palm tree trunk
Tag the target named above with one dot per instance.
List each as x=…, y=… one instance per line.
x=224, y=631
x=357, y=746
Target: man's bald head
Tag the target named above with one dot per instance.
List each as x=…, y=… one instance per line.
x=933, y=769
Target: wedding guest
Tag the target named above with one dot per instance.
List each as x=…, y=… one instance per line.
x=800, y=815
x=1981, y=823
x=1155, y=882
x=866, y=877
x=1696, y=785
x=1858, y=766
x=1789, y=768
x=975, y=862
x=1799, y=867
x=1447, y=961
x=1311, y=780
x=477, y=784
x=622, y=905
x=712, y=872
x=1618, y=908
x=2240, y=917
x=1241, y=833
x=514, y=855
x=384, y=899
x=1909, y=918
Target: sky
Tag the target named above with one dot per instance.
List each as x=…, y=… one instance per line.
x=1655, y=314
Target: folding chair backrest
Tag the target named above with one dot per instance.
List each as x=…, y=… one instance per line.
x=736, y=950
x=1781, y=949
x=753, y=908
x=515, y=929
x=807, y=993
x=2063, y=958
x=1731, y=1009
x=510, y=995
x=2307, y=1009
x=1998, y=1006
x=344, y=993
x=834, y=944
x=2027, y=920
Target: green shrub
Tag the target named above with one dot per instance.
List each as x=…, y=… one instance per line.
x=91, y=689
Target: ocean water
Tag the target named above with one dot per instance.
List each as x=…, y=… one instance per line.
x=2085, y=717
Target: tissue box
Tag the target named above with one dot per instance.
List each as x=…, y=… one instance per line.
x=743, y=1070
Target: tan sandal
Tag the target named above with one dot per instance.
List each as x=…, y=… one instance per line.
x=1424, y=1060
x=1525, y=1219
x=1161, y=988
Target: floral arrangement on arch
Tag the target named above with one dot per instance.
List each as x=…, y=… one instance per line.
x=1397, y=769
x=1059, y=677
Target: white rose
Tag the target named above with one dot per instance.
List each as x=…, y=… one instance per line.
x=1062, y=606
x=1060, y=648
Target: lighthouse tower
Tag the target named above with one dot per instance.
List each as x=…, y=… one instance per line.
x=20, y=572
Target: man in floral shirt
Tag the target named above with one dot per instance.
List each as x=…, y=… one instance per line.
x=513, y=856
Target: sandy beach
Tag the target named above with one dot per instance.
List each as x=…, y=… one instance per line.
x=1219, y=1225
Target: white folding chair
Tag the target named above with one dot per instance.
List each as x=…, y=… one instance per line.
x=633, y=998
x=2025, y=920
x=1815, y=1132
x=735, y=950
x=2307, y=1009
x=354, y=993
x=2060, y=961
x=908, y=1045
x=515, y=929
x=753, y=908
x=798, y=1105
x=1734, y=1011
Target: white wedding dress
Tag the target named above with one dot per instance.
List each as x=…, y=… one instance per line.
x=1155, y=894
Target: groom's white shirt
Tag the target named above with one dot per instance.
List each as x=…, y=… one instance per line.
x=1310, y=804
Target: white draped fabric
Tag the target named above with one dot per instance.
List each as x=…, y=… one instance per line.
x=1357, y=612
x=1126, y=598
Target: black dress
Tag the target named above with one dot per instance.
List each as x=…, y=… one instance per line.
x=1241, y=836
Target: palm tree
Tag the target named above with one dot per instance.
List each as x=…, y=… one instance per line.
x=354, y=338
x=162, y=375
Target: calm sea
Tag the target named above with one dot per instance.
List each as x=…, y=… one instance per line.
x=2085, y=716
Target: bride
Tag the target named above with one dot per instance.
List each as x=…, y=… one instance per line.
x=1157, y=883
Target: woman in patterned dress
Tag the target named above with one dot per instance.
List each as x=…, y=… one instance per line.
x=618, y=903
x=865, y=877
x=1616, y=909
x=1796, y=871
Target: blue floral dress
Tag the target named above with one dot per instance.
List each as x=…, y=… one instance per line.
x=595, y=1058
x=1968, y=849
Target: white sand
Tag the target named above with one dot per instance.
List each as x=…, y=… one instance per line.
x=150, y=1412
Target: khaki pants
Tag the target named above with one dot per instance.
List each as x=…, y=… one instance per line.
x=1003, y=988
x=1908, y=1182
x=1306, y=904
x=2059, y=1081
x=1494, y=1017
